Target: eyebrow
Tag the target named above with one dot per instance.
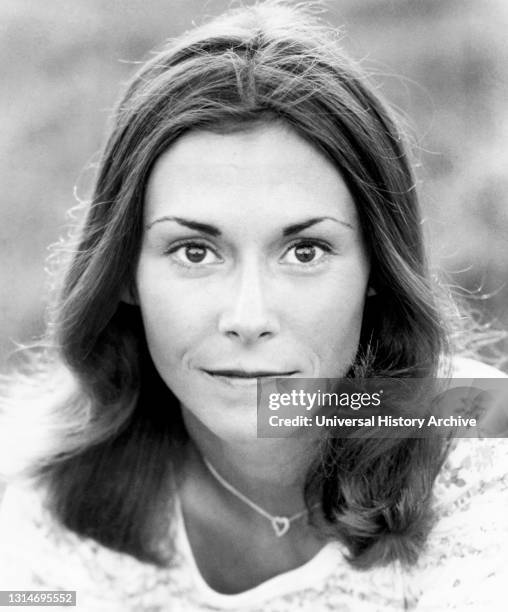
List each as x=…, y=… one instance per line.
x=295, y=228
x=212, y=230
x=206, y=228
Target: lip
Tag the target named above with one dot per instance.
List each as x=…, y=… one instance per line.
x=244, y=378
x=232, y=373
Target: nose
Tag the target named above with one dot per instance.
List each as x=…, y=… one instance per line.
x=247, y=315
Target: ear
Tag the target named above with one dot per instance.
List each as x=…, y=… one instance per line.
x=129, y=295
x=371, y=291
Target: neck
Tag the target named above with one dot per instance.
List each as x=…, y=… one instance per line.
x=271, y=472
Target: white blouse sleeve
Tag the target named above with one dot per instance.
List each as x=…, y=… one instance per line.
x=23, y=563
x=465, y=567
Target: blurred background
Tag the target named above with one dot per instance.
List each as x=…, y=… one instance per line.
x=443, y=63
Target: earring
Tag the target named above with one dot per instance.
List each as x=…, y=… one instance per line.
x=371, y=291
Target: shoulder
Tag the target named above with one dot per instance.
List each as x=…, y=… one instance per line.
x=475, y=473
x=475, y=469
x=464, y=367
x=21, y=528
x=38, y=553
x=463, y=566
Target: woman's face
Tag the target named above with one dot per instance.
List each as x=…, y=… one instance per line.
x=252, y=264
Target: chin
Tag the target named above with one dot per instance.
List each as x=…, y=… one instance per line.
x=226, y=420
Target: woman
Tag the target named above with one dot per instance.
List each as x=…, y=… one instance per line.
x=254, y=216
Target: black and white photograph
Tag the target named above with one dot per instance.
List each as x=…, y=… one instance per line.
x=254, y=306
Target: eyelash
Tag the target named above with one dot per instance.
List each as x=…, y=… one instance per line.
x=308, y=242
x=189, y=243
x=303, y=242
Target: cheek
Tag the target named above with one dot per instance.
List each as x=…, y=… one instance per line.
x=330, y=325
x=173, y=322
x=336, y=339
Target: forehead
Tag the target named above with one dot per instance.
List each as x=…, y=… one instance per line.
x=268, y=169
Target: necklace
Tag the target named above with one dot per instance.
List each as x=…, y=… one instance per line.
x=280, y=524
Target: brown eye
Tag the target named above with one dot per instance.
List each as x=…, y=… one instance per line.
x=195, y=253
x=305, y=253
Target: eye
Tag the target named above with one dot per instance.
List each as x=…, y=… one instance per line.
x=193, y=254
x=307, y=252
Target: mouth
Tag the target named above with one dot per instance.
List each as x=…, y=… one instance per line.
x=248, y=374
x=246, y=377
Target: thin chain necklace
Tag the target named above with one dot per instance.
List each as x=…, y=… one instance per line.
x=280, y=524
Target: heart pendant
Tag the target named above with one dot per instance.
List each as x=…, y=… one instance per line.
x=280, y=525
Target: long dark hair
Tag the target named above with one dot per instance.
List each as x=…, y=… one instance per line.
x=108, y=474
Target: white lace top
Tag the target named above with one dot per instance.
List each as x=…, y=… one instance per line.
x=464, y=566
